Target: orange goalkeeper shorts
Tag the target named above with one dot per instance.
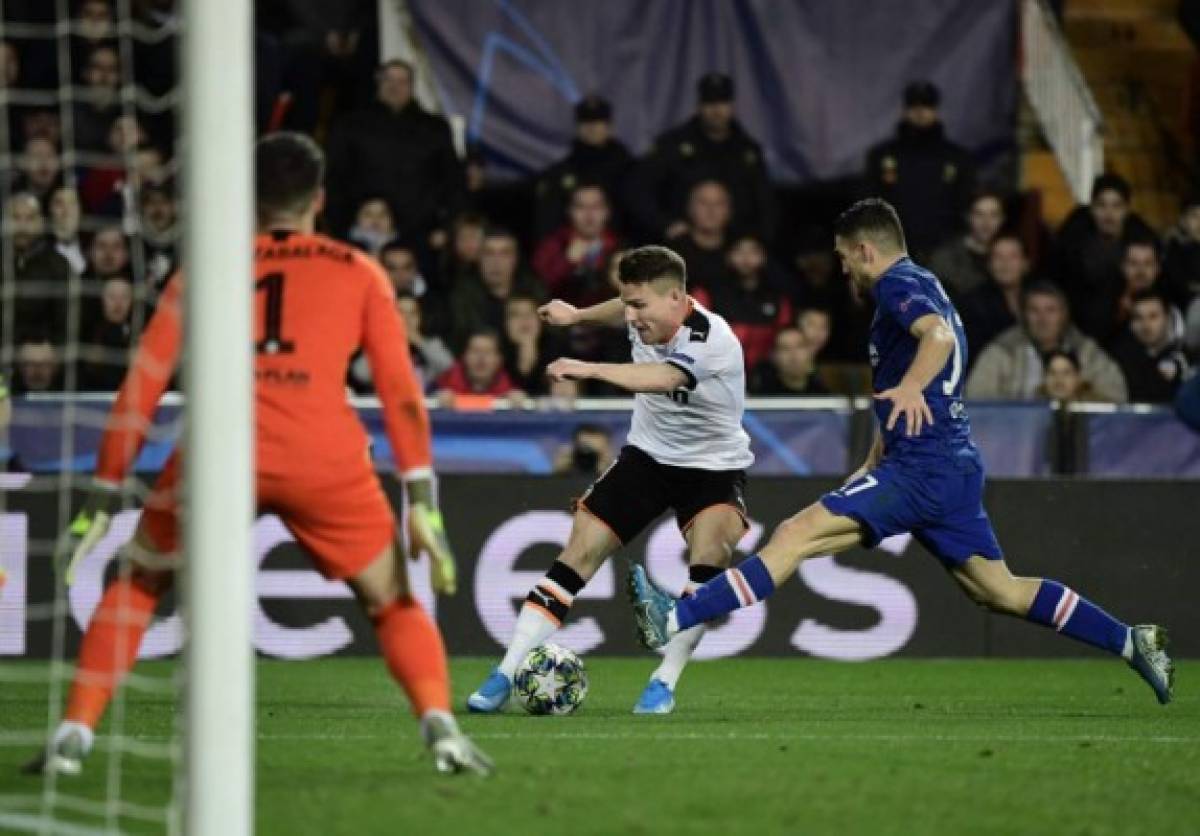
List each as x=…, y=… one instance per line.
x=341, y=516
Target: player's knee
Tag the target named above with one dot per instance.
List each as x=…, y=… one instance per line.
x=797, y=529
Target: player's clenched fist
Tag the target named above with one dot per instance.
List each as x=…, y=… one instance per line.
x=558, y=312
x=87, y=529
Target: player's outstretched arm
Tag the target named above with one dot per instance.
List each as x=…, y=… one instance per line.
x=609, y=312
x=935, y=343
x=635, y=377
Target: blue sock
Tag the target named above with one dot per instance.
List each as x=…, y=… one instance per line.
x=743, y=585
x=1071, y=614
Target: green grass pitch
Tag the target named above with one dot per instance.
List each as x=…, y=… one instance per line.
x=756, y=746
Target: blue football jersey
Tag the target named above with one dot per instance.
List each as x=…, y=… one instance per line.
x=904, y=294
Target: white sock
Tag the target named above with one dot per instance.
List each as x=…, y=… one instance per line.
x=67, y=727
x=533, y=628
x=676, y=654
x=1127, y=651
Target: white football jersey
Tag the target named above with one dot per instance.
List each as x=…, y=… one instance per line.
x=699, y=425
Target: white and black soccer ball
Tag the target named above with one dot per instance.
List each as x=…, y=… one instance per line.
x=551, y=680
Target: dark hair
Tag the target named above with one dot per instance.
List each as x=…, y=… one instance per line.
x=397, y=63
x=1111, y=183
x=986, y=193
x=873, y=218
x=288, y=170
x=1151, y=294
x=1009, y=235
x=396, y=245
x=584, y=185
x=1070, y=356
x=646, y=264
x=489, y=333
x=500, y=232
x=521, y=297
x=1142, y=241
x=1043, y=287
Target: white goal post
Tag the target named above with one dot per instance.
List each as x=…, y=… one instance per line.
x=217, y=144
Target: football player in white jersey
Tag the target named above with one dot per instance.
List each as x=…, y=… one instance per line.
x=686, y=452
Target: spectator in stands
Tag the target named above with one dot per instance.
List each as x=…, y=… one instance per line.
x=1089, y=252
x=40, y=170
x=589, y=453
x=1011, y=367
x=596, y=156
x=528, y=346
x=821, y=286
x=477, y=302
x=98, y=104
x=791, y=369
x=573, y=261
x=461, y=260
x=920, y=171
x=704, y=238
x=400, y=263
x=156, y=59
x=38, y=367
x=159, y=238
x=1151, y=351
x=753, y=303
x=1141, y=270
x=95, y=26
x=64, y=228
x=110, y=186
x=104, y=351
x=816, y=325
x=995, y=306
x=430, y=356
x=1063, y=380
x=712, y=145
x=1181, y=264
x=373, y=226
x=10, y=72
x=107, y=253
x=396, y=150
x=478, y=371
x=961, y=262
x=41, y=276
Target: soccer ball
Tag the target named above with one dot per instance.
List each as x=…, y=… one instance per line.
x=551, y=680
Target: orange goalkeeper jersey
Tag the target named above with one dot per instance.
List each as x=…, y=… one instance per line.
x=316, y=303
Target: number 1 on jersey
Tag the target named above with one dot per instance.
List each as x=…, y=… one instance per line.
x=273, y=341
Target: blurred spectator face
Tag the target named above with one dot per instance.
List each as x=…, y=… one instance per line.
x=1140, y=267
x=103, y=72
x=1149, y=323
x=148, y=166
x=95, y=20
x=40, y=164
x=64, y=214
x=594, y=132
x=747, y=257
x=708, y=207
x=588, y=212
x=375, y=217
x=37, y=364
x=1045, y=318
x=498, y=263
x=1062, y=380
x=10, y=65
x=1007, y=263
x=468, y=243
x=410, y=312
x=116, y=300
x=1190, y=221
x=921, y=116
x=793, y=356
x=985, y=218
x=395, y=87
x=42, y=123
x=26, y=224
x=401, y=267
x=475, y=173
x=817, y=267
x=108, y=253
x=125, y=135
x=816, y=325
x=715, y=117
x=1109, y=209
x=481, y=360
x=158, y=211
x=521, y=322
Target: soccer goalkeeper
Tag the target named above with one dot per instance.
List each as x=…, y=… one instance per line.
x=317, y=301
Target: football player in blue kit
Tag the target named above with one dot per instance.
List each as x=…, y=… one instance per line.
x=923, y=475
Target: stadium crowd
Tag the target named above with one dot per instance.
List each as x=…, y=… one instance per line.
x=1105, y=308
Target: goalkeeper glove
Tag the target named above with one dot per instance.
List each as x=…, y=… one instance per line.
x=88, y=528
x=427, y=533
